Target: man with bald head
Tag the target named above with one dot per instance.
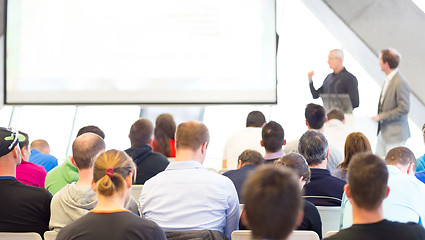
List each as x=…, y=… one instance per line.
x=40, y=154
x=188, y=196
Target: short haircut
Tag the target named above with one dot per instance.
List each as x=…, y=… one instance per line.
x=400, y=155
x=91, y=129
x=85, y=148
x=338, y=53
x=40, y=144
x=273, y=136
x=191, y=135
x=355, y=142
x=368, y=180
x=251, y=157
x=391, y=56
x=298, y=163
x=140, y=132
x=336, y=114
x=255, y=119
x=315, y=115
x=24, y=143
x=272, y=202
x=313, y=146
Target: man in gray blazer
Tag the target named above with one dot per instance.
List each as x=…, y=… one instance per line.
x=394, y=105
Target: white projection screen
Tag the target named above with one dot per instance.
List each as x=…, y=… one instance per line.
x=140, y=52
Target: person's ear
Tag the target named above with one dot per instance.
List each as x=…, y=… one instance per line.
x=306, y=123
x=261, y=143
x=347, y=190
x=284, y=142
x=388, y=192
x=327, y=154
x=411, y=169
x=326, y=119
x=300, y=217
x=204, y=148
x=93, y=185
x=150, y=143
x=129, y=180
x=73, y=162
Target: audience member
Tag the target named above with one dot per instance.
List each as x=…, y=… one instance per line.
x=23, y=208
x=315, y=118
x=323, y=189
x=355, y=143
x=273, y=203
x=67, y=172
x=311, y=220
x=165, y=129
x=248, y=161
x=27, y=172
x=273, y=138
x=420, y=162
x=148, y=163
x=40, y=154
x=112, y=179
x=249, y=138
x=188, y=196
x=405, y=201
x=367, y=188
x=335, y=129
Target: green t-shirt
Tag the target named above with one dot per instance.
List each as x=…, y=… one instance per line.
x=60, y=176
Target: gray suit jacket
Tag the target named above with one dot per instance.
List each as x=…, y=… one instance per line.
x=394, y=110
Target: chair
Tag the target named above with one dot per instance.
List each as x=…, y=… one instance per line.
x=330, y=218
x=50, y=235
x=330, y=233
x=20, y=236
x=295, y=235
x=136, y=190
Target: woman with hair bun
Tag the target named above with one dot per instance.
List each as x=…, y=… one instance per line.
x=112, y=180
x=165, y=128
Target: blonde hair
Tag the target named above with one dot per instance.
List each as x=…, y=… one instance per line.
x=110, y=170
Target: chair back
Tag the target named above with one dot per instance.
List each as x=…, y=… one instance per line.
x=330, y=233
x=330, y=218
x=136, y=190
x=50, y=235
x=295, y=235
x=20, y=236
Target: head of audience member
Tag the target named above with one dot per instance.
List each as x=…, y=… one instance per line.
x=273, y=202
x=250, y=157
x=10, y=153
x=315, y=116
x=367, y=181
x=389, y=60
x=403, y=159
x=191, y=141
x=84, y=148
x=255, y=119
x=298, y=163
x=336, y=114
x=314, y=148
x=24, y=146
x=92, y=129
x=165, y=129
x=355, y=142
x=335, y=59
x=273, y=137
x=113, y=174
x=41, y=145
x=141, y=133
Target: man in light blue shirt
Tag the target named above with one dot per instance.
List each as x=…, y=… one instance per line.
x=405, y=200
x=188, y=196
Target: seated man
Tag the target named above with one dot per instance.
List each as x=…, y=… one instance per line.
x=273, y=138
x=405, y=201
x=188, y=196
x=40, y=154
x=148, y=163
x=248, y=161
x=335, y=129
x=27, y=172
x=23, y=208
x=323, y=189
x=367, y=188
x=273, y=203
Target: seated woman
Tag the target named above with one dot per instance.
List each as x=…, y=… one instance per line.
x=355, y=142
x=165, y=128
x=112, y=180
x=297, y=162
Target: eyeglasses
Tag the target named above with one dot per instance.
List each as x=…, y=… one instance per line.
x=14, y=135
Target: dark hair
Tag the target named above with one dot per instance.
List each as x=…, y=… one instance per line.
x=165, y=129
x=272, y=202
x=251, y=157
x=120, y=163
x=336, y=114
x=85, y=148
x=191, y=135
x=298, y=163
x=391, y=57
x=140, y=132
x=92, y=129
x=273, y=136
x=400, y=155
x=315, y=115
x=367, y=179
x=313, y=146
x=255, y=119
x=24, y=143
x=355, y=142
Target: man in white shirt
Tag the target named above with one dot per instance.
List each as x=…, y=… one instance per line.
x=335, y=129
